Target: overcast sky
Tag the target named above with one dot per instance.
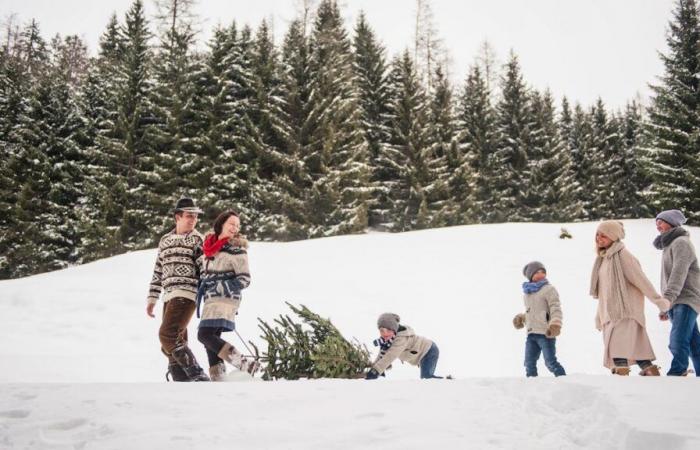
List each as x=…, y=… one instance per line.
x=579, y=48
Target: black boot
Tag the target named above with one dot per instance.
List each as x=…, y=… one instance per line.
x=176, y=373
x=184, y=357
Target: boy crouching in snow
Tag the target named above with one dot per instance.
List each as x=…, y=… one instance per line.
x=542, y=319
x=399, y=341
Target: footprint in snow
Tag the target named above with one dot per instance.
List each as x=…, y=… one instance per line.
x=15, y=413
x=644, y=440
x=376, y=415
x=25, y=396
x=69, y=424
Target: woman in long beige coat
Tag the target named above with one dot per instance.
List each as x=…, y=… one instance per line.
x=619, y=284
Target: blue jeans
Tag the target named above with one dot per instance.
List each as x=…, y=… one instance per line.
x=685, y=339
x=539, y=343
x=429, y=362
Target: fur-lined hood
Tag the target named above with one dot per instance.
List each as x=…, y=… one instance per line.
x=239, y=241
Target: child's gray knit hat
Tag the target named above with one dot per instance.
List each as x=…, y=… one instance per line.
x=531, y=268
x=390, y=321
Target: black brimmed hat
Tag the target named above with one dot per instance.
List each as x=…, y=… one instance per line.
x=186, y=204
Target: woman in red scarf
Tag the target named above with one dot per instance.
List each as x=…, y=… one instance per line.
x=224, y=275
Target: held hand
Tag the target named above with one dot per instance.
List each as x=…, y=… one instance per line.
x=663, y=316
x=149, y=309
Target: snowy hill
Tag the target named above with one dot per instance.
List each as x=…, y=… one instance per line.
x=85, y=331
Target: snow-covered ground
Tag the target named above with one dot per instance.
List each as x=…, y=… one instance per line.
x=81, y=366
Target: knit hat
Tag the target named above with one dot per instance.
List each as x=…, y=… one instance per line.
x=673, y=217
x=390, y=321
x=531, y=269
x=613, y=229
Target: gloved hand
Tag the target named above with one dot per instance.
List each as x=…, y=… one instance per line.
x=372, y=375
x=519, y=321
x=553, y=331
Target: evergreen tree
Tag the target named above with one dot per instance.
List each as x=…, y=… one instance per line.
x=570, y=203
x=405, y=159
x=12, y=107
x=213, y=171
x=371, y=75
x=33, y=51
x=48, y=163
x=235, y=169
x=263, y=140
x=514, y=122
x=634, y=204
x=545, y=200
x=673, y=142
x=608, y=161
x=314, y=348
x=443, y=155
x=133, y=145
x=289, y=219
x=177, y=134
x=336, y=154
x=104, y=183
x=583, y=156
x=472, y=173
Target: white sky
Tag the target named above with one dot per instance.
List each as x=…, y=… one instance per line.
x=581, y=49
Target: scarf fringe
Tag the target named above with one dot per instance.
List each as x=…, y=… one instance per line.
x=615, y=294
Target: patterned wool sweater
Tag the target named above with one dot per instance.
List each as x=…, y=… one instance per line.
x=176, y=271
x=226, y=273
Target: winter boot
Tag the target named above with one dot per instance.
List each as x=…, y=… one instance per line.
x=250, y=365
x=620, y=370
x=231, y=355
x=217, y=372
x=650, y=371
x=176, y=373
x=184, y=357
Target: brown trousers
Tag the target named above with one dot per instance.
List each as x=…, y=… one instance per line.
x=173, y=331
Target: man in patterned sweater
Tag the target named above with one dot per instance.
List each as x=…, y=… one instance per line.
x=176, y=274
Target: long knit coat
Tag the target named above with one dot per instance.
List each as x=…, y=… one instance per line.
x=224, y=276
x=627, y=337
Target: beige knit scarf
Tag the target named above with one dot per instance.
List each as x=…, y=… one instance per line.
x=616, y=293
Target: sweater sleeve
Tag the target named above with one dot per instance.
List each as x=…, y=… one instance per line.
x=635, y=275
x=398, y=346
x=556, y=316
x=682, y=256
x=156, y=286
x=243, y=273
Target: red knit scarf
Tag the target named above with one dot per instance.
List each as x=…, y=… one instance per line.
x=212, y=245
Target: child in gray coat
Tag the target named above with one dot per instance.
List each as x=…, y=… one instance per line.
x=542, y=320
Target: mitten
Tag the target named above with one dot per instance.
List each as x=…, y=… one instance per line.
x=519, y=321
x=553, y=331
x=372, y=375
